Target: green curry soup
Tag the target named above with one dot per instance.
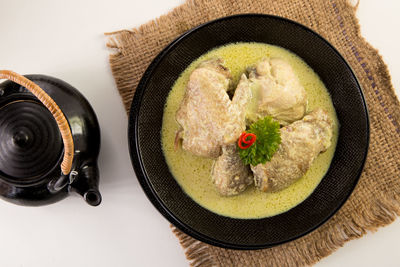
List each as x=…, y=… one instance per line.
x=194, y=173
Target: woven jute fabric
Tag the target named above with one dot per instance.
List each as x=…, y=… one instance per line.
x=376, y=199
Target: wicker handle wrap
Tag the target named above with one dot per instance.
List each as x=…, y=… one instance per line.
x=55, y=110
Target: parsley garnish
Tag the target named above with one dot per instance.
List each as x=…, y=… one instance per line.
x=266, y=144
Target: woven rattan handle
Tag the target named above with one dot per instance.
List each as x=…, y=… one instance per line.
x=55, y=110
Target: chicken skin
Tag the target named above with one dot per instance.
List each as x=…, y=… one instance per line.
x=277, y=92
x=229, y=175
x=301, y=142
x=208, y=118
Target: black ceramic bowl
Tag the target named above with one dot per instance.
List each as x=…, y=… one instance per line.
x=145, y=123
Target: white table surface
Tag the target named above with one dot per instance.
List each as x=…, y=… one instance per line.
x=65, y=39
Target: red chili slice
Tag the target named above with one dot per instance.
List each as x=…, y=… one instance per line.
x=250, y=141
x=243, y=139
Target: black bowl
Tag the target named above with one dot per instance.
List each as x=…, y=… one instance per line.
x=145, y=123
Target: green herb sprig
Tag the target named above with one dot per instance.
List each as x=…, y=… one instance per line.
x=267, y=142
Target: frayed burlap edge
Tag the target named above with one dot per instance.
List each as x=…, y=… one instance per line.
x=376, y=199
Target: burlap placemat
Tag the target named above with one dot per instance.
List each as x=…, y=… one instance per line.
x=375, y=201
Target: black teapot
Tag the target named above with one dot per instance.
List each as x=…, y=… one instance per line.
x=49, y=141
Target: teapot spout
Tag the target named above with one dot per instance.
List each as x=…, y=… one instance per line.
x=87, y=184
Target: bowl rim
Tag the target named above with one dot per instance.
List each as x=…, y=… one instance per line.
x=136, y=158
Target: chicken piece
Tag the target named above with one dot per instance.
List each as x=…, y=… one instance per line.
x=277, y=92
x=301, y=143
x=229, y=175
x=207, y=116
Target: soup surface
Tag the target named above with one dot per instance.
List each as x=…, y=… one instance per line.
x=194, y=173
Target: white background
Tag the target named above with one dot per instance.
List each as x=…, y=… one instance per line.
x=65, y=39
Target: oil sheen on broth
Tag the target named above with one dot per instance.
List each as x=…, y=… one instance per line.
x=193, y=173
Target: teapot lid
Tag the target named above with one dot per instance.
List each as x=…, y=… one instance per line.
x=30, y=141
